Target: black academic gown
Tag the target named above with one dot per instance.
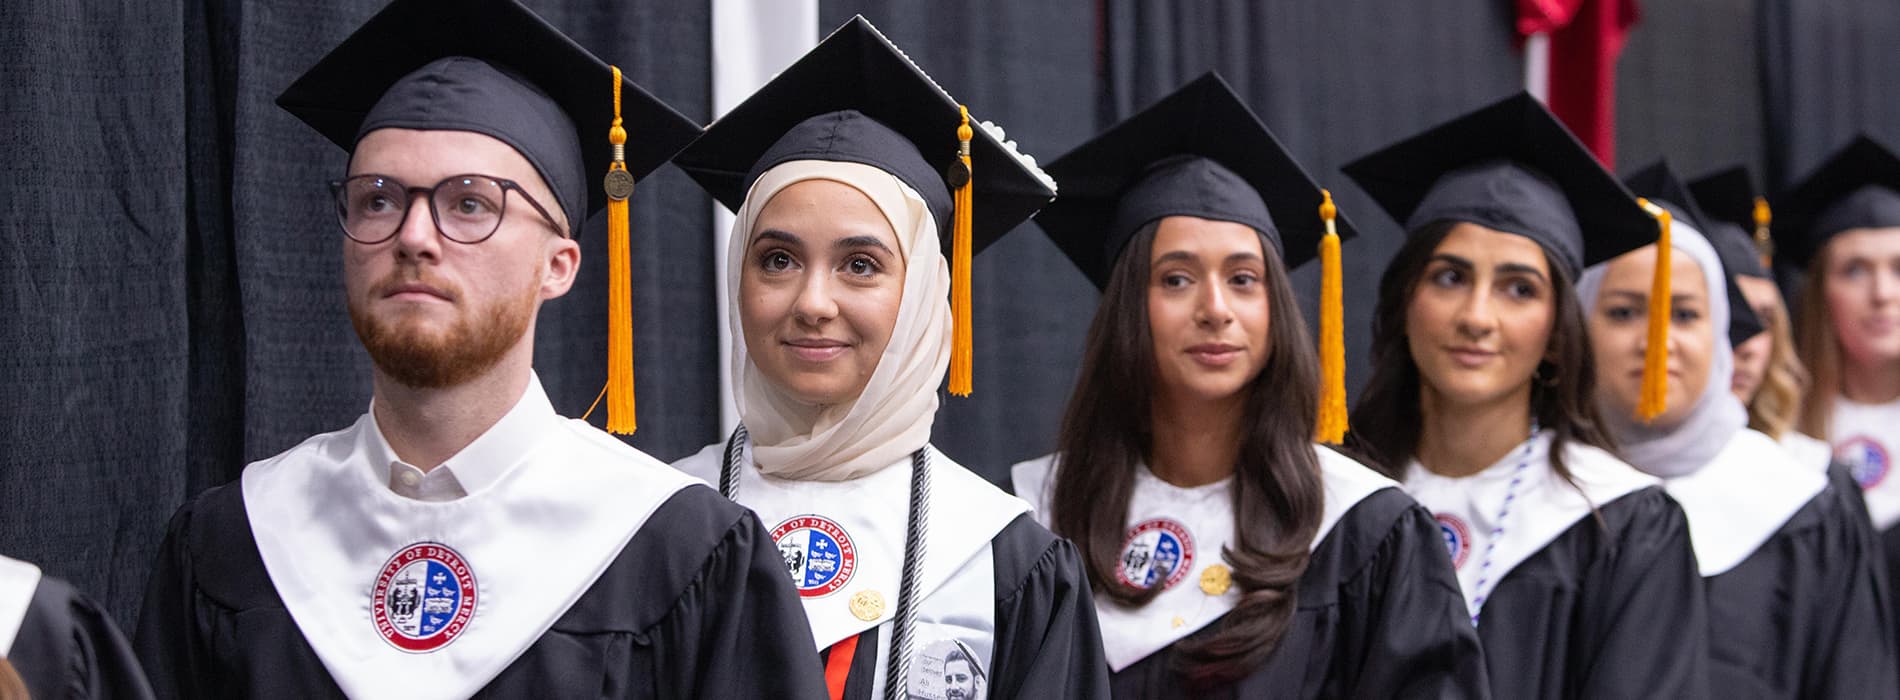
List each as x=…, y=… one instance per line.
x=1047, y=642
x=1805, y=615
x=1378, y=615
x=1609, y=609
x=67, y=647
x=695, y=606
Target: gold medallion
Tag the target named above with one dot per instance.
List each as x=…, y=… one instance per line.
x=868, y=605
x=1216, y=579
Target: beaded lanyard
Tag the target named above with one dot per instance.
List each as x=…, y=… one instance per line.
x=1497, y=531
x=897, y=676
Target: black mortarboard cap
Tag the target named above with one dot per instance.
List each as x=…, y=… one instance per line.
x=1727, y=201
x=1659, y=183
x=856, y=98
x=1197, y=152
x=1512, y=167
x=1858, y=187
x=492, y=67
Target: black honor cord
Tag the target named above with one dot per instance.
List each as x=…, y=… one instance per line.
x=897, y=676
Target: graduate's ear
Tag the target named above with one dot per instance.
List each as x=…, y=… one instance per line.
x=562, y=261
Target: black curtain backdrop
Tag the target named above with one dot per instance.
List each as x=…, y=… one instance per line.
x=1687, y=88
x=170, y=269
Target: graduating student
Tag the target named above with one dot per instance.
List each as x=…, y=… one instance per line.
x=1797, y=606
x=1576, y=569
x=1230, y=555
x=56, y=643
x=1769, y=377
x=853, y=176
x=1842, y=224
x=461, y=538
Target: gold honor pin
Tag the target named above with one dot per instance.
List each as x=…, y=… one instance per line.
x=868, y=605
x=1178, y=621
x=1216, y=579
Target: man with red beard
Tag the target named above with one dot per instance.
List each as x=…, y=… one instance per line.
x=461, y=538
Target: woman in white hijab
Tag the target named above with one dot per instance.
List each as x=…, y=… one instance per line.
x=919, y=578
x=1796, y=605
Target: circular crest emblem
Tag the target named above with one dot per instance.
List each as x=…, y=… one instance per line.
x=1457, y=538
x=424, y=597
x=818, y=554
x=1866, y=460
x=1158, y=551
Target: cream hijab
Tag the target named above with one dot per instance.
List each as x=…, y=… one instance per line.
x=892, y=418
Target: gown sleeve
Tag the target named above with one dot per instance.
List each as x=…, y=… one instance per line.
x=1048, y=644
x=1646, y=611
x=737, y=630
x=1851, y=647
x=169, y=640
x=69, y=648
x=1412, y=636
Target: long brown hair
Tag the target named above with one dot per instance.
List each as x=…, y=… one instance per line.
x=1776, y=404
x=1386, y=420
x=1819, y=349
x=1278, y=498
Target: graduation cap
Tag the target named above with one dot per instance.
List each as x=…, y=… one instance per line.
x=1202, y=152
x=1512, y=167
x=493, y=67
x=1659, y=183
x=856, y=98
x=1733, y=208
x=1857, y=187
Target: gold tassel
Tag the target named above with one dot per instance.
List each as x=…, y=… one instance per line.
x=1332, y=424
x=619, y=185
x=1655, y=395
x=962, y=345
x=1763, y=243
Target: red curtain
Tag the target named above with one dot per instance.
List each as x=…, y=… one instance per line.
x=1585, y=38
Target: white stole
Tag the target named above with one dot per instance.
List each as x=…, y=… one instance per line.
x=18, y=581
x=956, y=584
x=519, y=552
x=1741, y=498
x=1175, y=537
x=1866, y=438
x=1542, y=507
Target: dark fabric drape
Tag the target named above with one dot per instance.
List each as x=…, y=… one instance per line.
x=1829, y=69
x=172, y=269
x=1686, y=88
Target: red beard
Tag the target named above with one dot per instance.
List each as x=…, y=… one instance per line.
x=422, y=359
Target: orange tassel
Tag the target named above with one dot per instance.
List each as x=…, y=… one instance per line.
x=1655, y=394
x=1764, y=244
x=962, y=349
x=1332, y=425
x=619, y=183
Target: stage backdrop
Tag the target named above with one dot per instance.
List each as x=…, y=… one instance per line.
x=170, y=267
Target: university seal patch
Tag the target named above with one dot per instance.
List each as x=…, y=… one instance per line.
x=1159, y=550
x=424, y=598
x=818, y=554
x=1866, y=460
x=1457, y=538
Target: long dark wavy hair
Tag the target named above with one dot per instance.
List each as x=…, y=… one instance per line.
x=1386, y=421
x=1278, y=499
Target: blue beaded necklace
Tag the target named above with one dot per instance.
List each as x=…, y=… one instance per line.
x=1497, y=530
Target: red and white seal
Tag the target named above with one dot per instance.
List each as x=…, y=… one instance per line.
x=1457, y=538
x=424, y=597
x=818, y=554
x=1158, y=550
